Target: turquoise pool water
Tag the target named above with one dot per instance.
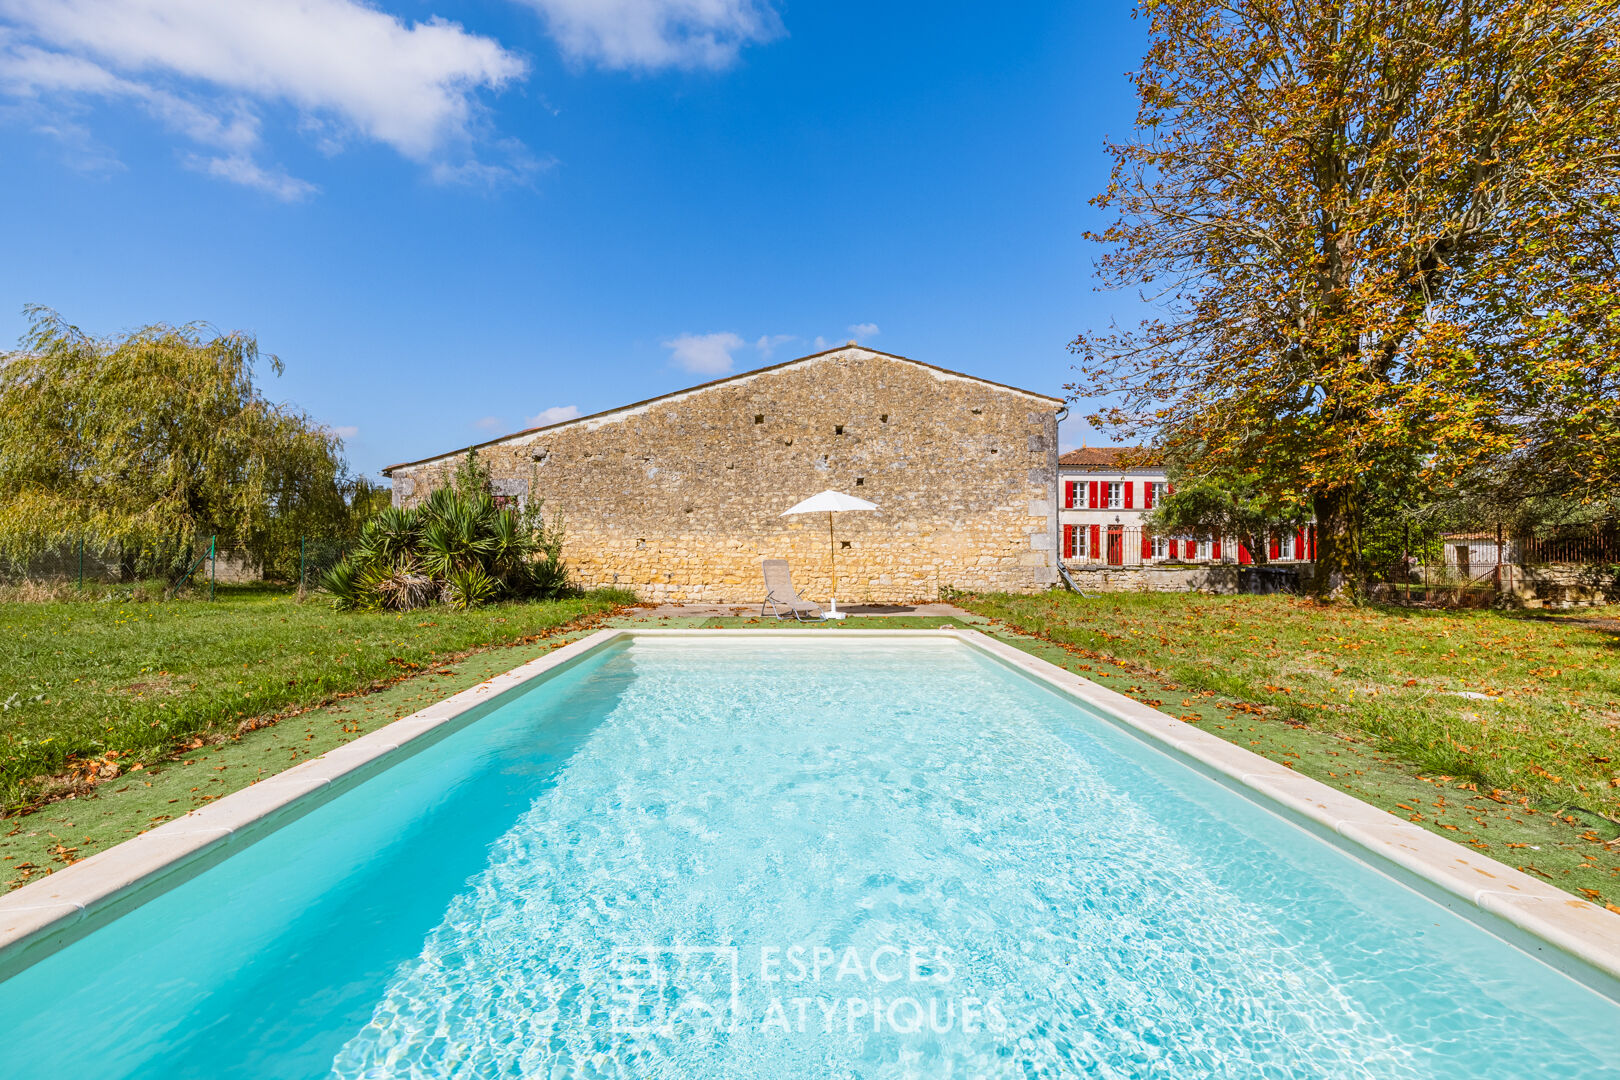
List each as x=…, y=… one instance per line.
x=808, y=858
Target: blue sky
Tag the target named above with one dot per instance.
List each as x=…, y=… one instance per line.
x=450, y=220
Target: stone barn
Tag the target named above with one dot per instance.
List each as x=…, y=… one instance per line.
x=679, y=497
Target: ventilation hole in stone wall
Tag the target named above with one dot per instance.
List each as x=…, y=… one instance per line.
x=883, y=418
x=759, y=418
x=838, y=429
x=540, y=457
x=993, y=450
x=843, y=543
x=860, y=481
x=978, y=412
x=641, y=545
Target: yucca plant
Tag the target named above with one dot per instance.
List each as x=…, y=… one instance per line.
x=469, y=586
x=343, y=582
x=402, y=585
x=457, y=548
x=457, y=535
x=390, y=534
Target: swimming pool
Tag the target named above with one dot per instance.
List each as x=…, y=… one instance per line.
x=817, y=855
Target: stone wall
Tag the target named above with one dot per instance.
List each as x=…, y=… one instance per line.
x=680, y=498
x=1562, y=584
x=1222, y=577
x=1213, y=578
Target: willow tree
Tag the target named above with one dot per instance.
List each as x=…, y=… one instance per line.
x=155, y=440
x=1379, y=238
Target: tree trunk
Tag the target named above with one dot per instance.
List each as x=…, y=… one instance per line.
x=1338, y=544
x=1256, y=545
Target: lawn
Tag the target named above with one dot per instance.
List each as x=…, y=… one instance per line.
x=101, y=688
x=1523, y=705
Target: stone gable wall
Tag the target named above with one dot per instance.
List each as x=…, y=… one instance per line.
x=681, y=499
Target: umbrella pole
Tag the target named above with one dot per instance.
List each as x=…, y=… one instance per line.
x=832, y=555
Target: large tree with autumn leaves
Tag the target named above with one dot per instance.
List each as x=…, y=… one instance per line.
x=1380, y=242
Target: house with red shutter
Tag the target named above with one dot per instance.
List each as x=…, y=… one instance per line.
x=1105, y=494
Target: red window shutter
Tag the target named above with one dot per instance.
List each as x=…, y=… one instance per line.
x=1276, y=548
x=1244, y=558
x=1068, y=541
x=1093, y=503
x=1068, y=495
x=1147, y=494
x=1130, y=486
x=1299, y=545
x=1313, y=543
x=1147, y=545
x=1215, y=550
x=1169, y=489
x=1096, y=540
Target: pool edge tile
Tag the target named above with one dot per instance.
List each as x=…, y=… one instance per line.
x=110, y=873
x=1578, y=927
x=25, y=923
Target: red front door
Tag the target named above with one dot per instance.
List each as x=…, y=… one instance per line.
x=1116, y=545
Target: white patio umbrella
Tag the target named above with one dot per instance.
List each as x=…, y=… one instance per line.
x=830, y=502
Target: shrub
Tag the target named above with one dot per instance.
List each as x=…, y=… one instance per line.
x=457, y=548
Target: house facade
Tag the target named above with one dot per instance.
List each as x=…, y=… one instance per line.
x=680, y=497
x=1106, y=494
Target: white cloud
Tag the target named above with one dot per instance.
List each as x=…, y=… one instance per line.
x=768, y=344
x=864, y=330
x=518, y=166
x=494, y=425
x=652, y=34
x=347, y=431
x=240, y=169
x=554, y=415
x=704, y=354
x=202, y=68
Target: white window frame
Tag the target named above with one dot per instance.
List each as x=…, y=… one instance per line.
x=1158, y=491
x=1116, y=495
x=1161, y=547
x=1285, y=546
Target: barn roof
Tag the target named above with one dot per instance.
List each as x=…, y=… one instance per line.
x=739, y=377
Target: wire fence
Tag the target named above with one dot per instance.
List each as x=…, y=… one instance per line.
x=316, y=557
x=201, y=565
